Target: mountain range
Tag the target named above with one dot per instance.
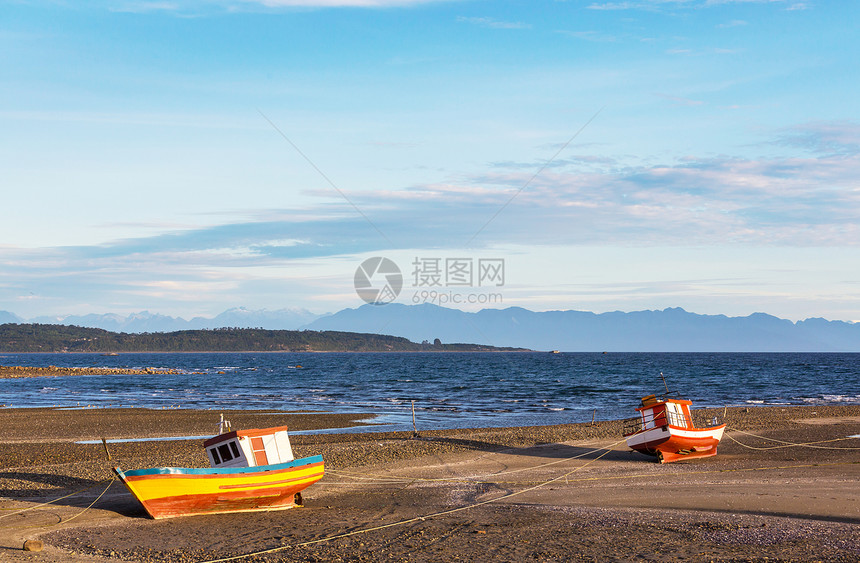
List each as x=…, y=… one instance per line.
x=240, y=317
x=667, y=330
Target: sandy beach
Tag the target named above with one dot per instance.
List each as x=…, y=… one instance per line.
x=553, y=493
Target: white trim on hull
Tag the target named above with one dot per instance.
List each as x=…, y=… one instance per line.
x=655, y=436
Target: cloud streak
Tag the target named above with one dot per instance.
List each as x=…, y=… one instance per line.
x=799, y=201
x=656, y=5
x=493, y=23
x=186, y=8
x=341, y=3
x=789, y=201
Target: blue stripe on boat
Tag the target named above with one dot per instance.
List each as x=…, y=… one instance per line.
x=220, y=470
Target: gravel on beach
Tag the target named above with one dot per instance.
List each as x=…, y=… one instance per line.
x=16, y=372
x=759, y=499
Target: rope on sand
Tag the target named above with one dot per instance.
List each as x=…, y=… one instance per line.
x=383, y=479
x=785, y=444
x=477, y=478
x=40, y=505
x=92, y=503
x=425, y=517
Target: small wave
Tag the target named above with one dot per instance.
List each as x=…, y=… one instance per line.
x=831, y=399
x=555, y=408
x=841, y=398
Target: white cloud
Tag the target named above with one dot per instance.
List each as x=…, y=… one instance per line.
x=186, y=8
x=594, y=36
x=733, y=23
x=341, y=3
x=789, y=202
x=824, y=137
x=143, y=7
x=494, y=24
x=655, y=5
x=615, y=6
x=678, y=100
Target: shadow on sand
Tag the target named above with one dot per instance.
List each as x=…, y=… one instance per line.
x=551, y=451
x=73, y=492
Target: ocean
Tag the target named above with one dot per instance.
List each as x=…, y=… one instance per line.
x=449, y=390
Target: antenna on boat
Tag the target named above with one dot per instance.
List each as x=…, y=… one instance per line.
x=223, y=425
x=664, y=382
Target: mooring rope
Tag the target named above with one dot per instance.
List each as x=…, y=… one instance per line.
x=379, y=479
x=92, y=503
x=476, y=478
x=40, y=505
x=785, y=444
x=421, y=518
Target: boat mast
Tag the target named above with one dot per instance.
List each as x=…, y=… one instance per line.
x=664, y=382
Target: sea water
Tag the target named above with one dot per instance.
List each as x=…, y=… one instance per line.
x=449, y=390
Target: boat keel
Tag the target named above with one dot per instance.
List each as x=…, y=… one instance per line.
x=668, y=456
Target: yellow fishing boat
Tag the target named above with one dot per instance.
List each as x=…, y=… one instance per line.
x=251, y=470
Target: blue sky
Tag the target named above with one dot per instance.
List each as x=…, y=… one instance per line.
x=185, y=157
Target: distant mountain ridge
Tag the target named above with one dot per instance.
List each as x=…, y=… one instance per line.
x=7, y=317
x=669, y=330
x=281, y=319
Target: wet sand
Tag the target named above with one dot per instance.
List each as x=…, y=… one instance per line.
x=555, y=493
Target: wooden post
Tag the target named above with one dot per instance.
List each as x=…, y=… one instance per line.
x=414, y=427
x=104, y=443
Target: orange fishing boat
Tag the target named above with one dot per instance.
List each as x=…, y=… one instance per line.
x=251, y=470
x=664, y=428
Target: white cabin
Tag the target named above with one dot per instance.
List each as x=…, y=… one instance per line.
x=249, y=448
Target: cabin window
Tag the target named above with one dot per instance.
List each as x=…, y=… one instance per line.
x=235, y=449
x=215, y=457
x=224, y=450
x=676, y=417
x=259, y=449
x=648, y=418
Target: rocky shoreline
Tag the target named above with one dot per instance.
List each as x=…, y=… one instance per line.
x=16, y=372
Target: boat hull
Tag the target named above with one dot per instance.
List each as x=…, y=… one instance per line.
x=672, y=443
x=169, y=492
